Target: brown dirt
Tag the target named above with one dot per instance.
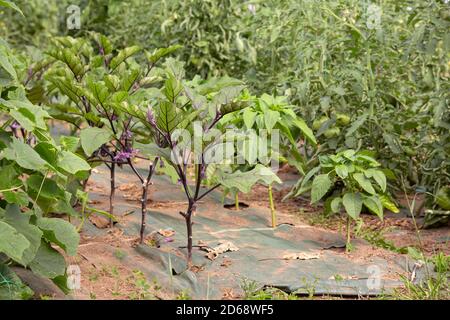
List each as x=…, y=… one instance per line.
x=105, y=277
x=394, y=228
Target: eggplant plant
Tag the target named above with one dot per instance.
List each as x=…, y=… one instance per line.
x=189, y=131
x=349, y=179
x=35, y=171
x=94, y=83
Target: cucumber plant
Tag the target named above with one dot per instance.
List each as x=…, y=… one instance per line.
x=350, y=180
x=35, y=173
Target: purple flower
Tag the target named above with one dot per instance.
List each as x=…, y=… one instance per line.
x=15, y=125
x=123, y=156
x=203, y=172
x=127, y=134
x=169, y=239
x=151, y=117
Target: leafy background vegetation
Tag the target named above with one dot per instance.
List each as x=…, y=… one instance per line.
x=379, y=87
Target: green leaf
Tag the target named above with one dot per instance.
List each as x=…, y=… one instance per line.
x=47, y=189
x=388, y=204
x=172, y=88
x=306, y=179
x=373, y=203
x=249, y=117
x=378, y=176
x=356, y=124
x=60, y=232
x=123, y=55
x=270, y=119
x=10, y=4
x=227, y=95
x=71, y=59
x=393, y=143
x=99, y=91
x=105, y=44
x=93, y=138
x=69, y=143
x=320, y=187
x=336, y=204
x=342, y=171
x=48, y=262
x=129, y=79
x=244, y=181
x=307, y=132
x=6, y=64
x=13, y=288
x=72, y=163
x=442, y=198
x=352, y=204
x=12, y=243
x=24, y=155
x=167, y=117
x=160, y=53
x=17, y=196
x=364, y=182
x=21, y=222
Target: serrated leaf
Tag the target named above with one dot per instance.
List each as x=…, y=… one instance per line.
x=356, y=124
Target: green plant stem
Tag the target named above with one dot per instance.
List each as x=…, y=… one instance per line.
x=272, y=208
x=112, y=192
x=348, y=243
x=236, y=201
